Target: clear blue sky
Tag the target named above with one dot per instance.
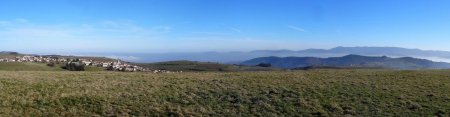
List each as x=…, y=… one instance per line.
x=148, y=26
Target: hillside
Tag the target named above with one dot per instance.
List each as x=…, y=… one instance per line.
x=349, y=61
x=339, y=93
x=7, y=54
x=98, y=59
x=201, y=66
x=19, y=66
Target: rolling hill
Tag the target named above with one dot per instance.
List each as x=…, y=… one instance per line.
x=8, y=54
x=201, y=66
x=94, y=58
x=349, y=61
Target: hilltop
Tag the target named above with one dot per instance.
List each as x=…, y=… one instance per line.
x=8, y=54
x=13, y=61
x=349, y=61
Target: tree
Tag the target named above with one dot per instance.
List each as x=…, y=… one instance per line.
x=75, y=66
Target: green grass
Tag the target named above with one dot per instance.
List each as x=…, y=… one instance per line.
x=27, y=66
x=94, y=69
x=297, y=93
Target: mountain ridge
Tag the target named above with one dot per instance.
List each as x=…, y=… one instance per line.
x=235, y=57
x=364, y=50
x=351, y=60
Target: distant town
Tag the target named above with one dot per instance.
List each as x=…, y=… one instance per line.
x=78, y=64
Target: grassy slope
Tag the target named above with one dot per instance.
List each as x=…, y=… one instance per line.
x=315, y=92
x=97, y=59
x=9, y=56
x=94, y=69
x=17, y=66
x=202, y=66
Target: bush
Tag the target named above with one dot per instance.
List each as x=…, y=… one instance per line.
x=75, y=66
x=51, y=64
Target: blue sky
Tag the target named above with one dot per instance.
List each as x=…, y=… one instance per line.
x=156, y=26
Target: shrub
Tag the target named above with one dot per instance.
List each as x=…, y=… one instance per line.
x=51, y=64
x=75, y=66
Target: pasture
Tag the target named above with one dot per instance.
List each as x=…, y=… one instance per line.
x=268, y=93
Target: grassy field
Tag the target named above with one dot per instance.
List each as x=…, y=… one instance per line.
x=27, y=66
x=203, y=66
x=296, y=93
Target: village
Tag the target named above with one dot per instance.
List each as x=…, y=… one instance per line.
x=116, y=65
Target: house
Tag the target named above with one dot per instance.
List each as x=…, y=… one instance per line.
x=87, y=63
x=105, y=65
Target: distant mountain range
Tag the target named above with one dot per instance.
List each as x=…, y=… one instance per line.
x=353, y=61
x=237, y=57
x=389, y=51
